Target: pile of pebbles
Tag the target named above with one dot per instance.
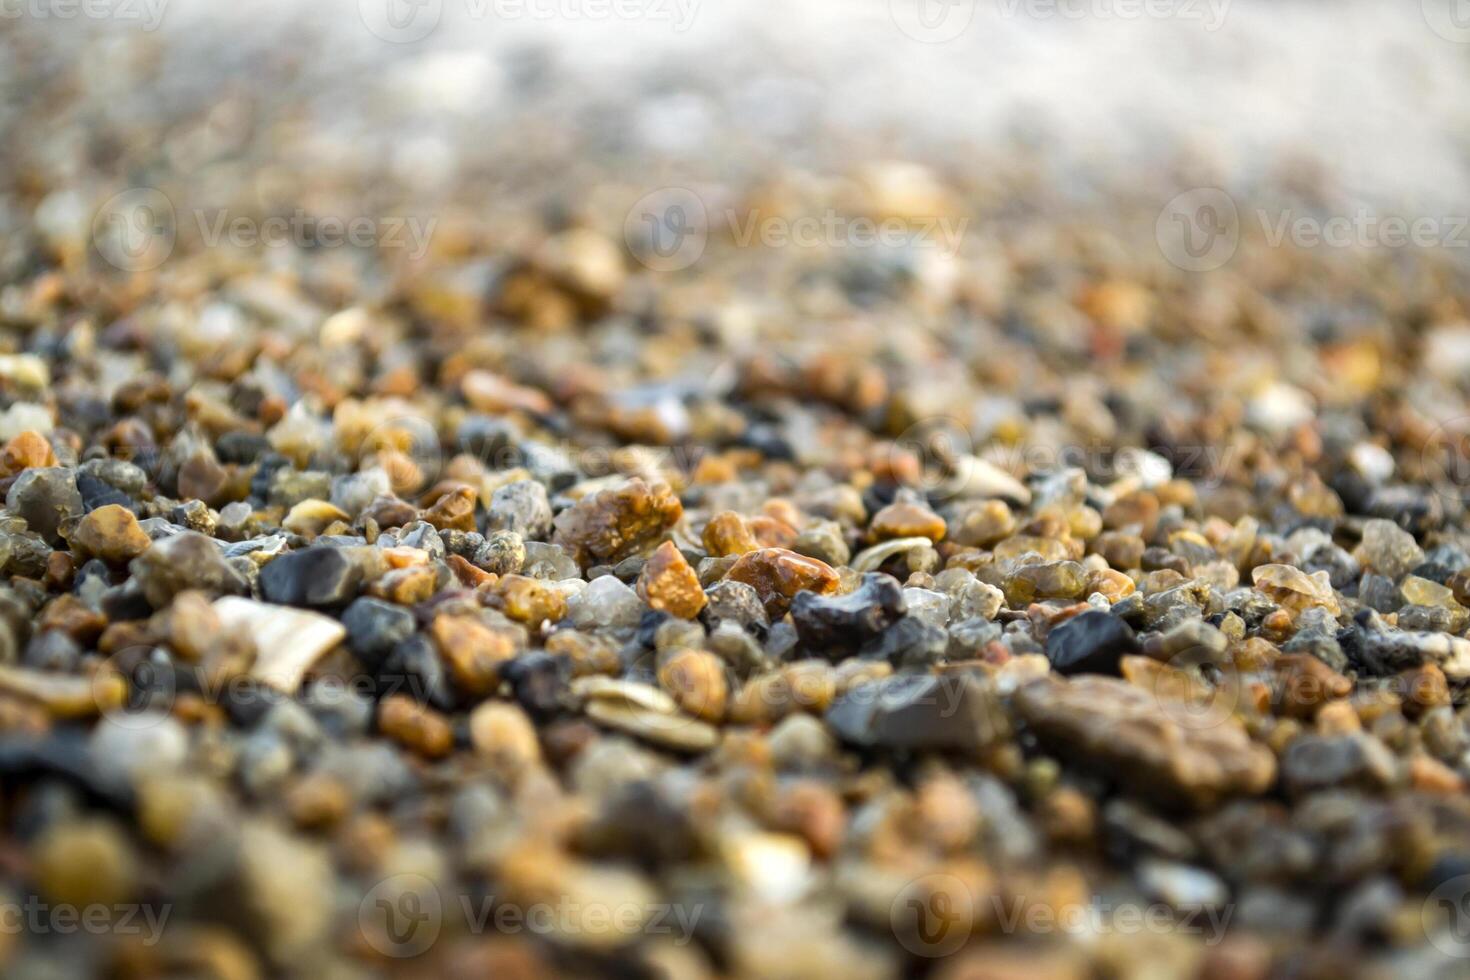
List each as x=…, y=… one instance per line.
x=1037, y=610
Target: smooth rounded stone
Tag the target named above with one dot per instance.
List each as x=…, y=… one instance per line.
x=187, y=560
x=836, y=626
x=1180, y=885
x=523, y=507
x=1317, y=762
x=339, y=709
x=920, y=712
x=800, y=742
x=1388, y=549
x=287, y=641
x=1045, y=580
x=355, y=491
x=84, y=863
x=504, y=735
x=23, y=553
x=125, y=747
x=1129, y=734
x=290, y=721
x=286, y=888
x=375, y=627
x=110, y=533
x=736, y=603
x=264, y=762
x=45, y=497
x=696, y=680
x=606, y=602
x=320, y=577
x=1089, y=643
x=52, y=651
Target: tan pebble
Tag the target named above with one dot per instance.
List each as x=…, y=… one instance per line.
x=696, y=679
x=906, y=520
x=454, y=510
x=310, y=518
x=111, y=533
x=777, y=575
x=502, y=733
x=414, y=726
x=84, y=863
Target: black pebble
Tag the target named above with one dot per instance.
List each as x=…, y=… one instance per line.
x=1091, y=643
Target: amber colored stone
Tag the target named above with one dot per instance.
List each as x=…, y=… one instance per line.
x=616, y=523
x=1429, y=775
x=813, y=811
x=1304, y=684
x=771, y=533
x=389, y=511
x=454, y=510
x=489, y=392
x=669, y=583
x=1139, y=510
x=473, y=651
x=696, y=679
x=727, y=534
x=26, y=451
x=1113, y=585
x=414, y=726
x=60, y=571
x=529, y=600
x=1423, y=687
x=777, y=575
x=317, y=800
x=905, y=520
x=112, y=533
x=72, y=616
x=405, y=586
x=469, y=575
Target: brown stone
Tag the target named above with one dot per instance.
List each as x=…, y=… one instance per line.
x=777, y=575
x=454, y=510
x=414, y=726
x=1133, y=735
x=614, y=524
x=1304, y=684
x=405, y=586
x=669, y=583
